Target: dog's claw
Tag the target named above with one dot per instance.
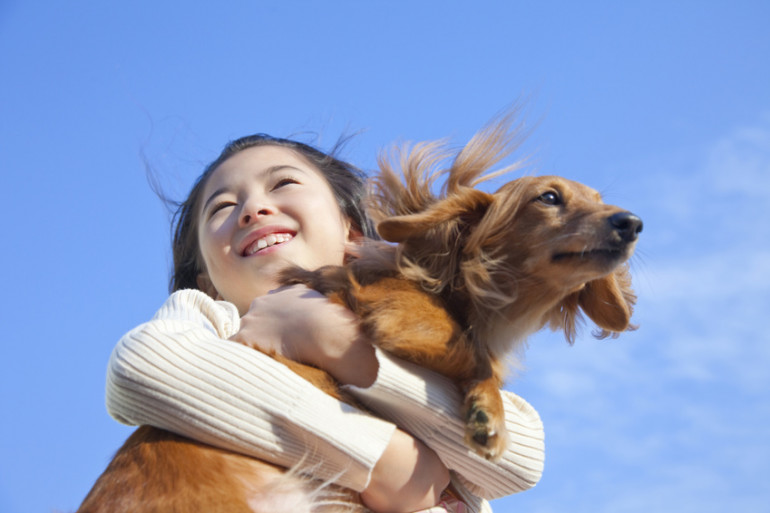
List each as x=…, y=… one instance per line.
x=480, y=417
x=481, y=439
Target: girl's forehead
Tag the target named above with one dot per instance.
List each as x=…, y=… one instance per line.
x=261, y=163
x=259, y=160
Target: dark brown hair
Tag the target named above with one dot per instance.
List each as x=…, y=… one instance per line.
x=346, y=181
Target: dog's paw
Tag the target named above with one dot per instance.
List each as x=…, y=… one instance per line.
x=485, y=430
x=328, y=280
x=295, y=275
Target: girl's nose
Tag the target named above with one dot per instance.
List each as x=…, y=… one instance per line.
x=252, y=211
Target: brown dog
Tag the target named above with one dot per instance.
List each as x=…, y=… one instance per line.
x=470, y=276
x=483, y=271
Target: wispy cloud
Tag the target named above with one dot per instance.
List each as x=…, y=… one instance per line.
x=740, y=162
x=712, y=290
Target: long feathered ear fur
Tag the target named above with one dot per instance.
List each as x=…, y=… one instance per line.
x=608, y=302
x=411, y=191
x=430, y=226
x=472, y=204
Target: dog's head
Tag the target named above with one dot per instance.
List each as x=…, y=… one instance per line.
x=536, y=252
x=557, y=237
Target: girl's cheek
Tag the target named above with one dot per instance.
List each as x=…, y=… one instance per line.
x=215, y=236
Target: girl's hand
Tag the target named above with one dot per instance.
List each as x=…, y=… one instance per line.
x=303, y=325
x=409, y=476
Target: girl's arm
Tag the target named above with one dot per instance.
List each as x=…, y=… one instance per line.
x=178, y=372
x=422, y=402
x=428, y=405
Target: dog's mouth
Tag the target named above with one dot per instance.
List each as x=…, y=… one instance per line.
x=605, y=255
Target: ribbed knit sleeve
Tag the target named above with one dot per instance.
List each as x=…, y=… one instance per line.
x=178, y=372
x=428, y=405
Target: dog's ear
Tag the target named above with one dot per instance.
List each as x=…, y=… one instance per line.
x=609, y=302
x=469, y=206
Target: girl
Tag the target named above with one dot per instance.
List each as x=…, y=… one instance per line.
x=263, y=204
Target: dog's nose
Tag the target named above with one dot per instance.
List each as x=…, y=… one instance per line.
x=627, y=225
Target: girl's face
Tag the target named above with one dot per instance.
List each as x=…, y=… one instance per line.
x=263, y=209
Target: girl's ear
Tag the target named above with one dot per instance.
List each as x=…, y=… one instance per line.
x=353, y=243
x=354, y=234
x=204, y=284
x=609, y=302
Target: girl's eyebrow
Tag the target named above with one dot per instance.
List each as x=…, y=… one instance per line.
x=216, y=193
x=268, y=171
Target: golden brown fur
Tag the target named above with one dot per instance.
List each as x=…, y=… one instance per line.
x=483, y=270
x=159, y=472
x=470, y=276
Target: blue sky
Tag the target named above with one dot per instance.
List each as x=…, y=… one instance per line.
x=662, y=106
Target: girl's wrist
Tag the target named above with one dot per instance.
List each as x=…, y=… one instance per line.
x=355, y=364
x=408, y=477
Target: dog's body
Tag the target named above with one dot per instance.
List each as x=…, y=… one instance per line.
x=156, y=471
x=482, y=271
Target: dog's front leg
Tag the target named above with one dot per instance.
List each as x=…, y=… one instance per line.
x=333, y=281
x=485, y=429
x=406, y=321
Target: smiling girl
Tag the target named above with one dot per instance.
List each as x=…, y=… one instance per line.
x=264, y=204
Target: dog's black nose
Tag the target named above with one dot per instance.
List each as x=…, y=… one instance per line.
x=627, y=225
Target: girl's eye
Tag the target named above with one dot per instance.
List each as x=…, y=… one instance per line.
x=550, y=198
x=220, y=206
x=284, y=182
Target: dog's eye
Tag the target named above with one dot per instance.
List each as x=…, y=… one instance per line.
x=550, y=198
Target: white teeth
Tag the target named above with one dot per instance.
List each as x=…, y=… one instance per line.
x=268, y=240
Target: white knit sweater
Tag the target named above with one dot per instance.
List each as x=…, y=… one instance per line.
x=179, y=372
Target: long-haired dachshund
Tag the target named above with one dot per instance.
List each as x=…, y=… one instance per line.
x=465, y=277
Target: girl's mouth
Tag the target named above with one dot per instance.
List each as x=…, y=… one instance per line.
x=267, y=241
